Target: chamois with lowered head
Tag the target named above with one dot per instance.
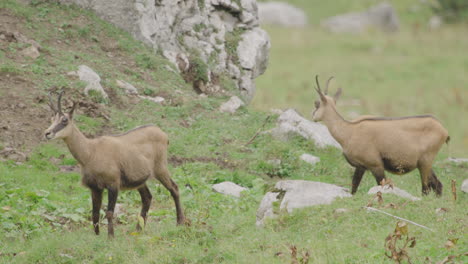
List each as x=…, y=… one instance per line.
x=116, y=163
x=397, y=145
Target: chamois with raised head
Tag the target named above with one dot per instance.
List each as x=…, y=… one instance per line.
x=397, y=145
x=116, y=163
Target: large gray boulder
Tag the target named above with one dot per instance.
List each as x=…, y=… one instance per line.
x=283, y=14
x=382, y=16
x=291, y=123
x=295, y=194
x=387, y=189
x=214, y=28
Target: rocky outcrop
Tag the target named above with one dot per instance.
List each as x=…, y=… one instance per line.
x=282, y=14
x=381, y=16
x=213, y=28
x=294, y=194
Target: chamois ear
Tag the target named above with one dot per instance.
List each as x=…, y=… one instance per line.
x=72, y=110
x=337, y=94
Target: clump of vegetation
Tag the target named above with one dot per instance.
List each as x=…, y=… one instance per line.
x=145, y=61
x=452, y=10
x=232, y=41
x=199, y=27
x=97, y=97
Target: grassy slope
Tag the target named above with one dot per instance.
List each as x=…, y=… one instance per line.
x=44, y=214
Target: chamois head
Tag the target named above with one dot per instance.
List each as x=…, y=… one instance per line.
x=326, y=103
x=61, y=122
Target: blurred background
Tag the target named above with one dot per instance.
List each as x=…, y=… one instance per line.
x=392, y=58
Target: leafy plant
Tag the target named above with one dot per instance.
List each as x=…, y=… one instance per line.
x=452, y=10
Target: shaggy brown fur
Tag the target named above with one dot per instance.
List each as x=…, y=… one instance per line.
x=117, y=163
x=398, y=145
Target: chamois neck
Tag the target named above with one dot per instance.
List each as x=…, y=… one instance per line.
x=338, y=127
x=79, y=145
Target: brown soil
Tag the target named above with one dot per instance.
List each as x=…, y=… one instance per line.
x=222, y=162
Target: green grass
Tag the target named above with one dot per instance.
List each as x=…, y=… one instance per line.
x=45, y=213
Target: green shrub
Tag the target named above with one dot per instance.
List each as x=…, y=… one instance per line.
x=452, y=10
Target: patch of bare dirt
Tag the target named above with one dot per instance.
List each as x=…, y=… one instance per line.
x=222, y=162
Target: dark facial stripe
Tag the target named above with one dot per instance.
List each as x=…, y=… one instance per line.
x=59, y=127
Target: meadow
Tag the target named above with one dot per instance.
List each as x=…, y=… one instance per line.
x=45, y=212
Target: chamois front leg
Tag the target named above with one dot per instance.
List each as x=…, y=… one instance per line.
x=379, y=174
x=357, y=177
x=96, y=195
x=163, y=176
x=112, y=194
x=145, y=203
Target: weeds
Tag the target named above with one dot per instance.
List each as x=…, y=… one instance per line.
x=399, y=235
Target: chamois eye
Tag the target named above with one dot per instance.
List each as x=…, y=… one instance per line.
x=64, y=120
x=317, y=104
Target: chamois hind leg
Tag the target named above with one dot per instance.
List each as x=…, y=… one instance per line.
x=425, y=170
x=145, y=203
x=435, y=184
x=357, y=177
x=379, y=174
x=96, y=195
x=112, y=194
x=164, y=177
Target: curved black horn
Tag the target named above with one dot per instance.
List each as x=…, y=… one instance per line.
x=59, y=103
x=51, y=103
x=319, y=91
x=317, y=81
x=328, y=82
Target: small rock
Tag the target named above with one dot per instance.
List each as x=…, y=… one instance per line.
x=129, y=89
x=31, y=52
x=13, y=154
x=393, y=190
x=382, y=16
x=276, y=162
x=435, y=22
x=441, y=210
x=458, y=160
x=232, y=105
x=341, y=211
x=279, y=13
x=464, y=186
x=92, y=79
x=310, y=159
x=118, y=210
x=157, y=99
x=229, y=188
